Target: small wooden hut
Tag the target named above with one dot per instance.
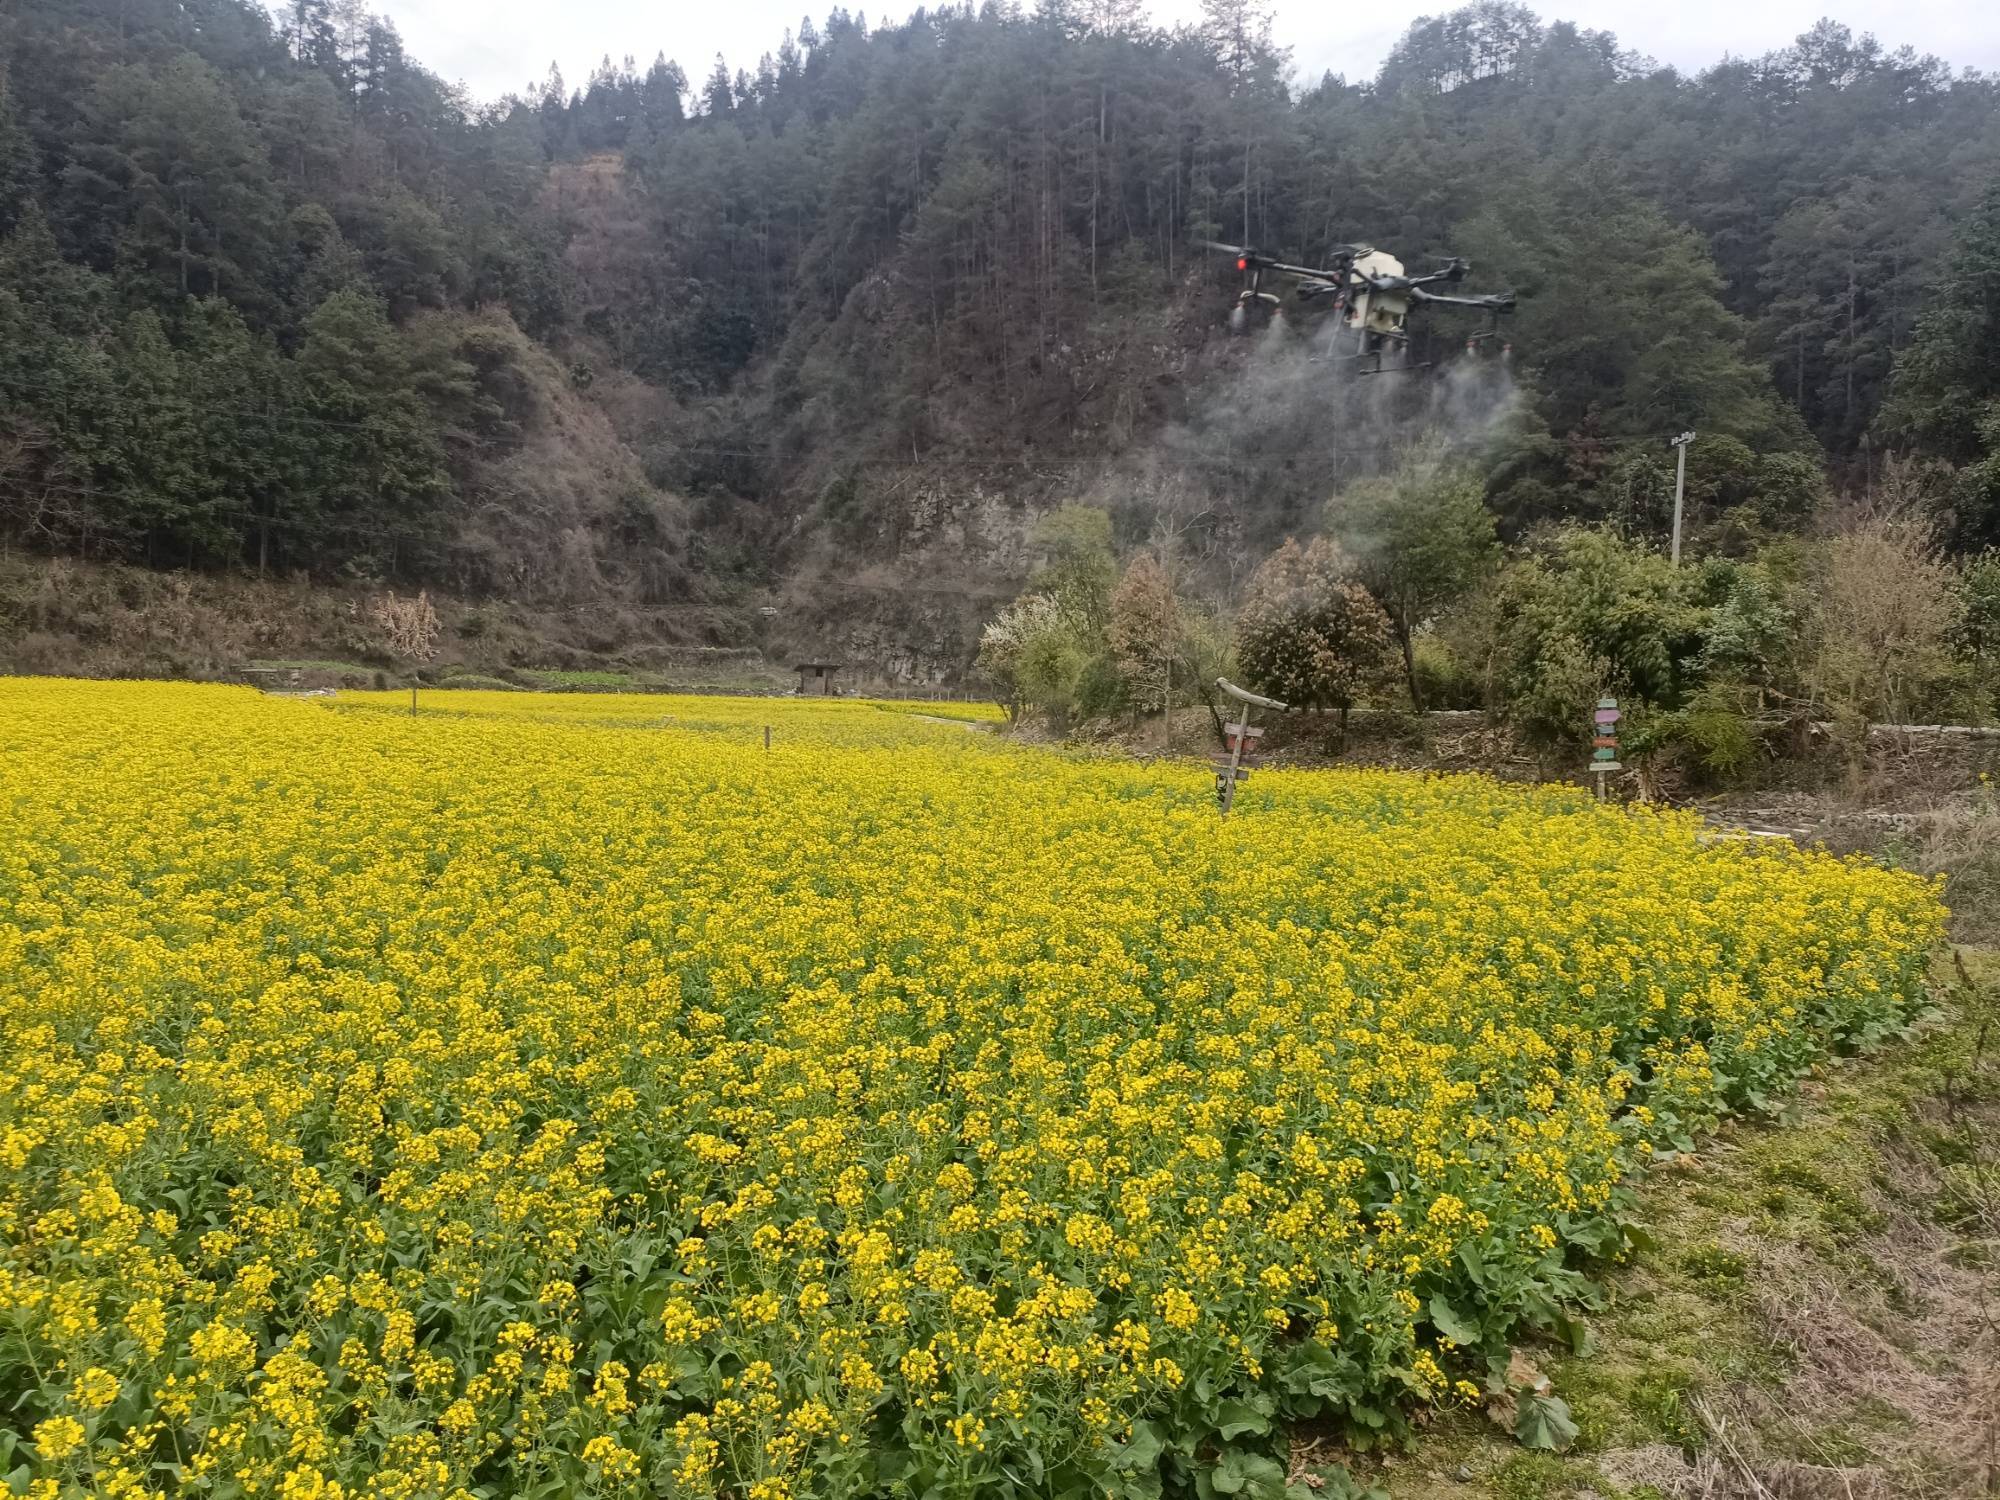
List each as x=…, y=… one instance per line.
x=816, y=678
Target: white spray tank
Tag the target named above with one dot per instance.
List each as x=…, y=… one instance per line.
x=1378, y=313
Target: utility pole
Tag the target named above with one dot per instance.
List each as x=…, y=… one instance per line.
x=1680, y=447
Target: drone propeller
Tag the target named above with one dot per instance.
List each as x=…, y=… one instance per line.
x=1249, y=258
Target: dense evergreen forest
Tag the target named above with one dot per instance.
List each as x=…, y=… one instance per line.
x=274, y=297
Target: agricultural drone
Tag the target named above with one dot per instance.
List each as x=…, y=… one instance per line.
x=1369, y=292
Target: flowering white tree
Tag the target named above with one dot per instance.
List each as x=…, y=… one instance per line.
x=1010, y=641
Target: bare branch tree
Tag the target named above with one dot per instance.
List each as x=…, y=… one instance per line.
x=409, y=627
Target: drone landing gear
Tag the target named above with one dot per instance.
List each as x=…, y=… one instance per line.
x=1476, y=343
x=1400, y=368
x=1385, y=354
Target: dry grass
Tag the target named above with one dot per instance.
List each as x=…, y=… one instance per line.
x=94, y=620
x=1952, y=831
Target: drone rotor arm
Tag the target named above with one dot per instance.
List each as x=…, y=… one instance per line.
x=1493, y=302
x=1249, y=258
x=1452, y=272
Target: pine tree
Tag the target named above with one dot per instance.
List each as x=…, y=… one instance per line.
x=16, y=164
x=309, y=32
x=718, y=95
x=377, y=454
x=1951, y=371
x=661, y=94
x=1945, y=397
x=175, y=183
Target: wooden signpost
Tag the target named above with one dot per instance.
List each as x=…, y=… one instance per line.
x=1604, y=742
x=1240, y=740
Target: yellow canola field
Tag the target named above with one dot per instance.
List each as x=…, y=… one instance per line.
x=514, y=1101
x=820, y=719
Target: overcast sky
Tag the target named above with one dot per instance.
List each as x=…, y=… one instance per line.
x=495, y=46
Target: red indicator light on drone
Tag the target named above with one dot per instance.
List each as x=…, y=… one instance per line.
x=1242, y=262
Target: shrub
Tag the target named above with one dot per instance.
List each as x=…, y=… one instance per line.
x=1309, y=634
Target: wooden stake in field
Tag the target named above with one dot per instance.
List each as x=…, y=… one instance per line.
x=1238, y=738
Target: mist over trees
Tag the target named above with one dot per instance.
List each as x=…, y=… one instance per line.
x=273, y=295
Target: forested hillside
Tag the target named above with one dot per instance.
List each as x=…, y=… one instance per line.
x=836, y=331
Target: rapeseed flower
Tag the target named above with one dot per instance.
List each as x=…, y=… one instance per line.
x=386, y=1090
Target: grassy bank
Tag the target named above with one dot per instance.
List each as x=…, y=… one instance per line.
x=1818, y=1314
